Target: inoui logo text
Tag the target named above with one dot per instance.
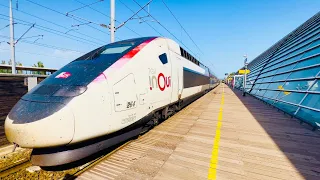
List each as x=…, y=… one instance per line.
x=159, y=81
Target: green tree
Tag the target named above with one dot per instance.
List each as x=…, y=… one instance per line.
x=9, y=63
x=3, y=70
x=9, y=70
x=39, y=64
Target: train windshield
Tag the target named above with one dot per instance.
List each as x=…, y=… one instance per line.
x=86, y=68
x=103, y=52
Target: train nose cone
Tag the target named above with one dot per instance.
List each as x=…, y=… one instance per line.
x=38, y=124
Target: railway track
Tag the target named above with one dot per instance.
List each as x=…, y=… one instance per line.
x=13, y=168
x=20, y=169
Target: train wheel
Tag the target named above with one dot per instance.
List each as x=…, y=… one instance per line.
x=165, y=113
x=153, y=122
x=156, y=118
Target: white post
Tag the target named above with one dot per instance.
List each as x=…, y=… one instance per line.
x=32, y=82
x=244, y=81
x=234, y=81
x=245, y=75
x=112, y=19
x=12, y=45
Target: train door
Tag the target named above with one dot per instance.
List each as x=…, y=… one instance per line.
x=160, y=77
x=180, y=77
x=177, y=81
x=125, y=97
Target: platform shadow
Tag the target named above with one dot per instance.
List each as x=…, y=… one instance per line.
x=301, y=146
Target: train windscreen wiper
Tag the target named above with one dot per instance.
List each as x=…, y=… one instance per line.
x=94, y=55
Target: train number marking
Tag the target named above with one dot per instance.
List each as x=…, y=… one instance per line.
x=131, y=104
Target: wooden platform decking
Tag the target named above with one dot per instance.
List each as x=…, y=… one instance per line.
x=220, y=136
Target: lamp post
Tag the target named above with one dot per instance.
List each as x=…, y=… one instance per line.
x=226, y=78
x=245, y=75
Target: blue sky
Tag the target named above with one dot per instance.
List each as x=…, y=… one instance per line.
x=224, y=30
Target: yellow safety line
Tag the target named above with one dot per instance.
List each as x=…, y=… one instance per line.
x=215, y=149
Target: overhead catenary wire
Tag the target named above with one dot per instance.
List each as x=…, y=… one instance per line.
x=86, y=5
x=51, y=46
x=53, y=10
x=165, y=28
x=4, y=27
x=64, y=35
x=181, y=26
x=56, y=23
x=139, y=17
x=32, y=36
x=44, y=28
x=56, y=32
x=34, y=53
x=186, y=32
x=134, y=14
x=107, y=16
x=24, y=33
x=45, y=45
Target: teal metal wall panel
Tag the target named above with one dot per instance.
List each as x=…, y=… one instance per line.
x=287, y=75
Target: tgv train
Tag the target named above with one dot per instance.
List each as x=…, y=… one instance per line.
x=105, y=97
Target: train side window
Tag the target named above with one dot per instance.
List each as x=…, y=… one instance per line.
x=163, y=58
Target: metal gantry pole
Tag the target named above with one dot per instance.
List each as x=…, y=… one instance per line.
x=112, y=20
x=244, y=84
x=12, y=44
x=245, y=75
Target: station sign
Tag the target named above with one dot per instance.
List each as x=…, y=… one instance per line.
x=242, y=71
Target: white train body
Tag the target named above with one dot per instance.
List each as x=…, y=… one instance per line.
x=145, y=78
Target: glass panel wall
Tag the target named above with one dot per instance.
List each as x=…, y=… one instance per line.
x=287, y=75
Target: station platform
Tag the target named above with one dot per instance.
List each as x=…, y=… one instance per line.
x=222, y=135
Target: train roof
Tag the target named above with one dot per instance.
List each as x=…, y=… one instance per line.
x=134, y=39
x=183, y=52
